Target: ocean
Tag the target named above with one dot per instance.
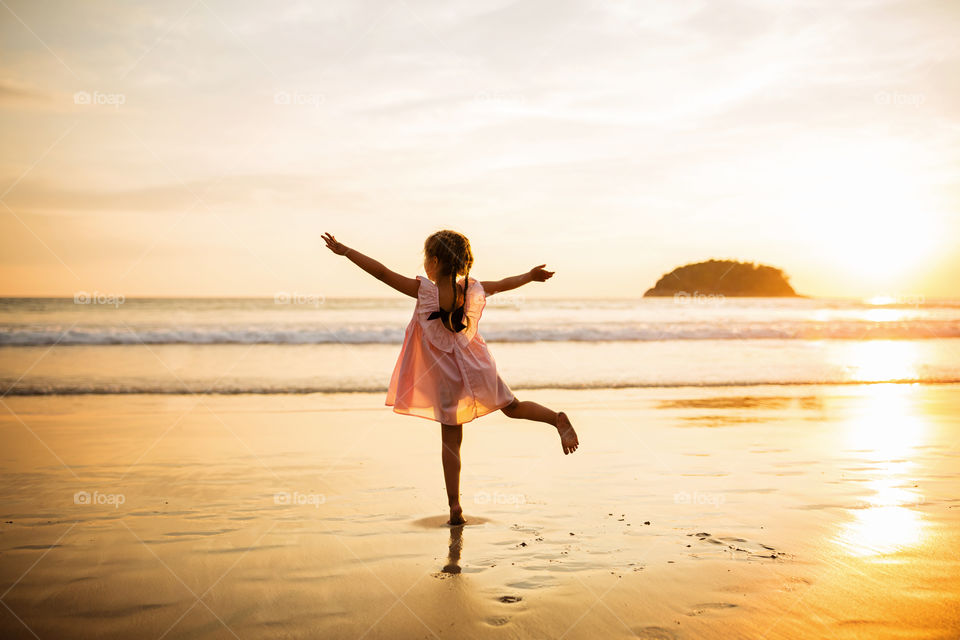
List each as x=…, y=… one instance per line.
x=301, y=344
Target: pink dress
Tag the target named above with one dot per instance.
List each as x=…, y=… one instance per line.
x=441, y=375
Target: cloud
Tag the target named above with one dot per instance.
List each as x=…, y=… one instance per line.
x=234, y=193
x=15, y=94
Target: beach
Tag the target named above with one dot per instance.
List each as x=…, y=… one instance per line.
x=769, y=511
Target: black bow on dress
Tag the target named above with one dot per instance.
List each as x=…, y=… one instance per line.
x=456, y=318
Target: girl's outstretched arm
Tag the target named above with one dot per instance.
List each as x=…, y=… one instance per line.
x=403, y=284
x=537, y=274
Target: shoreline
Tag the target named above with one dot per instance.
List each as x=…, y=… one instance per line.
x=13, y=393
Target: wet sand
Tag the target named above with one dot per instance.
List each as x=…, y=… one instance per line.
x=753, y=512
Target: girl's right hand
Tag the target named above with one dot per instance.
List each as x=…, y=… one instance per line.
x=539, y=274
x=332, y=244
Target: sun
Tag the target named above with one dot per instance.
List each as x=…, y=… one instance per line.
x=869, y=209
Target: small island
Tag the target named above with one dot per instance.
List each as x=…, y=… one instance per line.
x=724, y=278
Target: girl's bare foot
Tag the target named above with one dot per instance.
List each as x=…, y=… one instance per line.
x=568, y=437
x=456, y=516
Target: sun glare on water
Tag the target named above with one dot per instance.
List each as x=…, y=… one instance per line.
x=880, y=360
x=885, y=433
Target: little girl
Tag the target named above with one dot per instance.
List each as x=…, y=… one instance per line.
x=445, y=371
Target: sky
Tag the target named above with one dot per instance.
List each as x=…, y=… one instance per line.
x=201, y=148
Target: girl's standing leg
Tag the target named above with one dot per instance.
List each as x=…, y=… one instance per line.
x=452, y=436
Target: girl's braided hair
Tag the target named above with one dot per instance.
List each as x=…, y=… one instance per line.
x=452, y=251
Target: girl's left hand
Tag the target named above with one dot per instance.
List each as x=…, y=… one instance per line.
x=332, y=244
x=539, y=274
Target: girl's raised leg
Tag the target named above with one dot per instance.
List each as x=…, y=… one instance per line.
x=528, y=410
x=452, y=436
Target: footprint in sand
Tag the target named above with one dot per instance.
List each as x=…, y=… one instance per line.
x=497, y=622
x=654, y=633
x=509, y=599
x=703, y=607
x=738, y=544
